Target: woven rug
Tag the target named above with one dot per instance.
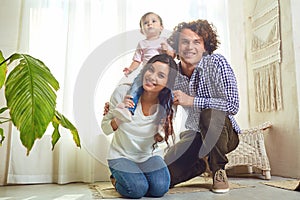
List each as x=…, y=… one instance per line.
x=104, y=190
x=287, y=184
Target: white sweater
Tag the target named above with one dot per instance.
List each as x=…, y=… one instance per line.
x=131, y=140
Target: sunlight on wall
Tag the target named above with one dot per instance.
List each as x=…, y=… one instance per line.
x=47, y=36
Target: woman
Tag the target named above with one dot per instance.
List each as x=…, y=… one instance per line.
x=134, y=159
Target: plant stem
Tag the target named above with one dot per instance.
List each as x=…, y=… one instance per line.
x=6, y=60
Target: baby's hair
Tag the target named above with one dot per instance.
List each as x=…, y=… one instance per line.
x=149, y=13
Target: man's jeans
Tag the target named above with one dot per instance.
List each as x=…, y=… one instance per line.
x=215, y=139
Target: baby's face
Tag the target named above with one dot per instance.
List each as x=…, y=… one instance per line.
x=151, y=26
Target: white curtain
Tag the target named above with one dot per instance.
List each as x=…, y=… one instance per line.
x=66, y=35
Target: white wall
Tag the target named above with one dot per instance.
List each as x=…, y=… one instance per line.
x=296, y=43
x=238, y=59
x=283, y=139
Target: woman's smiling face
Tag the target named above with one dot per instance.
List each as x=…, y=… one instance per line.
x=156, y=77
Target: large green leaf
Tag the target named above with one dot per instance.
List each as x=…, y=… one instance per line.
x=30, y=93
x=59, y=119
x=3, y=69
x=55, y=134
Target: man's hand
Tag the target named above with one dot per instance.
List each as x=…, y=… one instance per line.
x=180, y=98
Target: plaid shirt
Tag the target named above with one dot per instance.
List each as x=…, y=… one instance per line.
x=213, y=84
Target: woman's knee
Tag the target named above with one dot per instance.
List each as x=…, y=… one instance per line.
x=159, y=189
x=141, y=190
x=135, y=190
x=159, y=182
x=131, y=185
x=160, y=185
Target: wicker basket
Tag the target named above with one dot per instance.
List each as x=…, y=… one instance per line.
x=251, y=151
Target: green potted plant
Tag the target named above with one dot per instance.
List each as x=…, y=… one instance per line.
x=30, y=93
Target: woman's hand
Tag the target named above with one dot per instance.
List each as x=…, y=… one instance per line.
x=115, y=122
x=106, y=108
x=127, y=102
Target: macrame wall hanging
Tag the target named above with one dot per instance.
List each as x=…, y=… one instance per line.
x=266, y=56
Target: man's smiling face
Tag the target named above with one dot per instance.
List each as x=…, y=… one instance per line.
x=190, y=47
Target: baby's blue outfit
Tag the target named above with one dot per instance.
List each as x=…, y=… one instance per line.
x=135, y=91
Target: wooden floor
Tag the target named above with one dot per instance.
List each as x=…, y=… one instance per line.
x=82, y=191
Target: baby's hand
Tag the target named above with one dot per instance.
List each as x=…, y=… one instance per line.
x=127, y=71
x=165, y=49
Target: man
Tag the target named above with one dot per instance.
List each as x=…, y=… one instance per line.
x=207, y=90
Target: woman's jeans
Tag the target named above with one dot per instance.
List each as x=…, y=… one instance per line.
x=135, y=180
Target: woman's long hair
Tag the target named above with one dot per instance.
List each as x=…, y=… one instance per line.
x=165, y=97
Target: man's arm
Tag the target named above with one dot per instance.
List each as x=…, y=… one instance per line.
x=222, y=92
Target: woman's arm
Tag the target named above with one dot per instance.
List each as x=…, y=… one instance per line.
x=109, y=124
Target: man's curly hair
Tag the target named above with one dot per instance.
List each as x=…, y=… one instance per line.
x=204, y=29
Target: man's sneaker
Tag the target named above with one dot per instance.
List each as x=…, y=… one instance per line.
x=220, y=182
x=122, y=114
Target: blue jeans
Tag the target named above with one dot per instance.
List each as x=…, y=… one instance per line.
x=135, y=91
x=136, y=180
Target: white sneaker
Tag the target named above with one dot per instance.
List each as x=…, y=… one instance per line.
x=122, y=114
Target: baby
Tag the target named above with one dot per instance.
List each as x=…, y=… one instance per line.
x=151, y=26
